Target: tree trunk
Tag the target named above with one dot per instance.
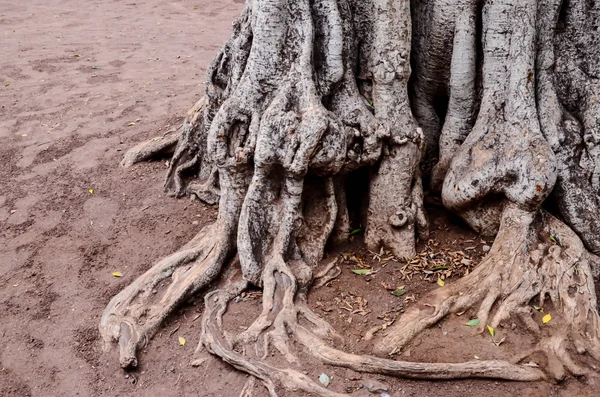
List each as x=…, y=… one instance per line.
x=503, y=96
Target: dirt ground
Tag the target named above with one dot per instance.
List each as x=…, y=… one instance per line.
x=80, y=82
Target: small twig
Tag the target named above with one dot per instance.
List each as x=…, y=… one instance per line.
x=175, y=330
x=177, y=381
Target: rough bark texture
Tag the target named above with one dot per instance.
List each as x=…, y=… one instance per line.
x=503, y=95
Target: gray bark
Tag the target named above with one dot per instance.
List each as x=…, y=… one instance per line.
x=503, y=96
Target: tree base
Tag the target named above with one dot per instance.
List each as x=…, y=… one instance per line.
x=306, y=92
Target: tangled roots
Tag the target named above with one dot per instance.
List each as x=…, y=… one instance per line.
x=307, y=92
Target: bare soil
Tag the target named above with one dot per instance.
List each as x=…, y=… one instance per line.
x=81, y=82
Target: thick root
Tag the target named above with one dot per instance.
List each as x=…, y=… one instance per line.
x=534, y=255
x=279, y=324
x=135, y=314
x=307, y=91
x=156, y=147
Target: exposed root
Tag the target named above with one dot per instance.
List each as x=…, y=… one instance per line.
x=306, y=92
x=156, y=147
x=214, y=341
x=492, y=369
x=329, y=273
x=524, y=263
x=279, y=324
x=135, y=314
x=208, y=192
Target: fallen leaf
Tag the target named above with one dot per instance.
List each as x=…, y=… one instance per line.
x=441, y=282
x=130, y=124
x=546, y=318
x=362, y=272
x=472, y=323
x=23, y=134
x=355, y=232
x=95, y=67
x=91, y=191
x=7, y=85
x=539, y=309
x=441, y=268
x=400, y=292
x=76, y=55
x=491, y=330
x=181, y=340
x=117, y=274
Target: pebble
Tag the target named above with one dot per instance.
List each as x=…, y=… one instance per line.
x=486, y=248
x=195, y=223
x=374, y=386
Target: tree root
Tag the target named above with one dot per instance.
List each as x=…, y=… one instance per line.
x=306, y=92
x=524, y=263
x=279, y=323
x=156, y=147
x=135, y=314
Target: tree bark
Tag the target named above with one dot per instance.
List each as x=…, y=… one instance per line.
x=503, y=96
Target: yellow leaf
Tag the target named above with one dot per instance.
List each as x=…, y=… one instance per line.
x=441, y=282
x=117, y=274
x=546, y=318
x=491, y=330
x=181, y=340
x=91, y=191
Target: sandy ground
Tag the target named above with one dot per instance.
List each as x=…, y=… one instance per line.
x=80, y=82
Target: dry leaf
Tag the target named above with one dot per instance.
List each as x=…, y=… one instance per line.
x=441, y=282
x=491, y=330
x=117, y=274
x=91, y=191
x=181, y=340
x=546, y=318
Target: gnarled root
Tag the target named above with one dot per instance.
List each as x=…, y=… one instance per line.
x=306, y=92
x=534, y=255
x=135, y=314
x=284, y=309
